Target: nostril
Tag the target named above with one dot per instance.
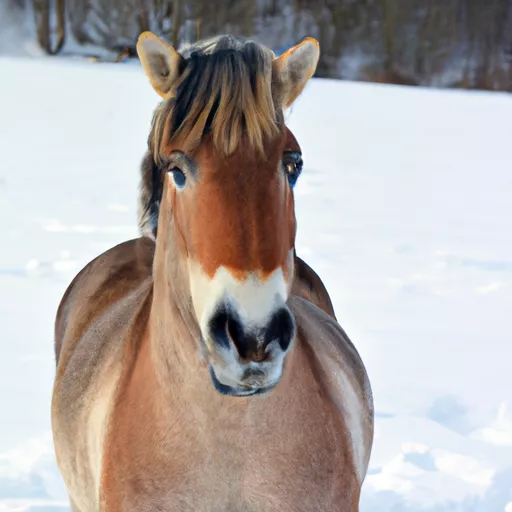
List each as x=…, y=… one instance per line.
x=280, y=328
x=218, y=327
x=235, y=331
x=245, y=344
x=226, y=329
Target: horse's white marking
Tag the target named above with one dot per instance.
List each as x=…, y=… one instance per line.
x=97, y=424
x=353, y=408
x=254, y=299
x=230, y=371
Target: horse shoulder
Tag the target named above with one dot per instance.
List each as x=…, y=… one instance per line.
x=100, y=284
x=100, y=319
x=340, y=372
x=307, y=284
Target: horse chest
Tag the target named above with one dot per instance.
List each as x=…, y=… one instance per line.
x=256, y=462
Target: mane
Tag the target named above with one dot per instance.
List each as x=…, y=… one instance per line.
x=224, y=90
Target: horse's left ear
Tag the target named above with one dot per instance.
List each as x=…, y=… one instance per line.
x=161, y=63
x=294, y=68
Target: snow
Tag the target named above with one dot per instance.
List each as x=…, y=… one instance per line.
x=403, y=209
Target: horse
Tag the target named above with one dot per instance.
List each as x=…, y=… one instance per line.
x=200, y=366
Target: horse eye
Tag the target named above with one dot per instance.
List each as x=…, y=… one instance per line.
x=292, y=163
x=179, y=177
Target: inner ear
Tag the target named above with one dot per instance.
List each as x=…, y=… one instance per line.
x=161, y=63
x=294, y=68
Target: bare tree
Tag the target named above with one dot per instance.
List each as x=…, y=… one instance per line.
x=462, y=43
x=176, y=22
x=43, y=10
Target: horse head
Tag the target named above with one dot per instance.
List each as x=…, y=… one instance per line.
x=217, y=196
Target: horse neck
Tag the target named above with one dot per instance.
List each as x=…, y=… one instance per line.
x=174, y=330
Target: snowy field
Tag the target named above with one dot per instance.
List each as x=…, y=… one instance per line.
x=404, y=210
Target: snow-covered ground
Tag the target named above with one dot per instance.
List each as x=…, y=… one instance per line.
x=404, y=209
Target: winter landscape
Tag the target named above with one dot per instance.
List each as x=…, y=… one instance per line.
x=403, y=209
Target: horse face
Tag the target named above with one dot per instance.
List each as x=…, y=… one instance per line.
x=230, y=165
x=235, y=223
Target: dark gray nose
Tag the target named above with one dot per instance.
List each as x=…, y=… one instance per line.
x=252, y=343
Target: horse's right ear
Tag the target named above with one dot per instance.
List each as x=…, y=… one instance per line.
x=161, y=63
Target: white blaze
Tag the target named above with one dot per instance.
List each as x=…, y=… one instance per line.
x=254, y=298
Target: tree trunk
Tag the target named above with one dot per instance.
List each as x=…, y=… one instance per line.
x=176, y=23
x=61, y=27
x=42, y=12
x=389, y=34
x=42, y=19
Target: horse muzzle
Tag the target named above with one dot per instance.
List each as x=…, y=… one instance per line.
x=247, y=359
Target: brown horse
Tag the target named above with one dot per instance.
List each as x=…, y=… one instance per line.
x=200, y=367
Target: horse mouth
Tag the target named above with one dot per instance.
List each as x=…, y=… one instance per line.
x=241, y=391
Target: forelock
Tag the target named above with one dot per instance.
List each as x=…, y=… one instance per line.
x=225, y=88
